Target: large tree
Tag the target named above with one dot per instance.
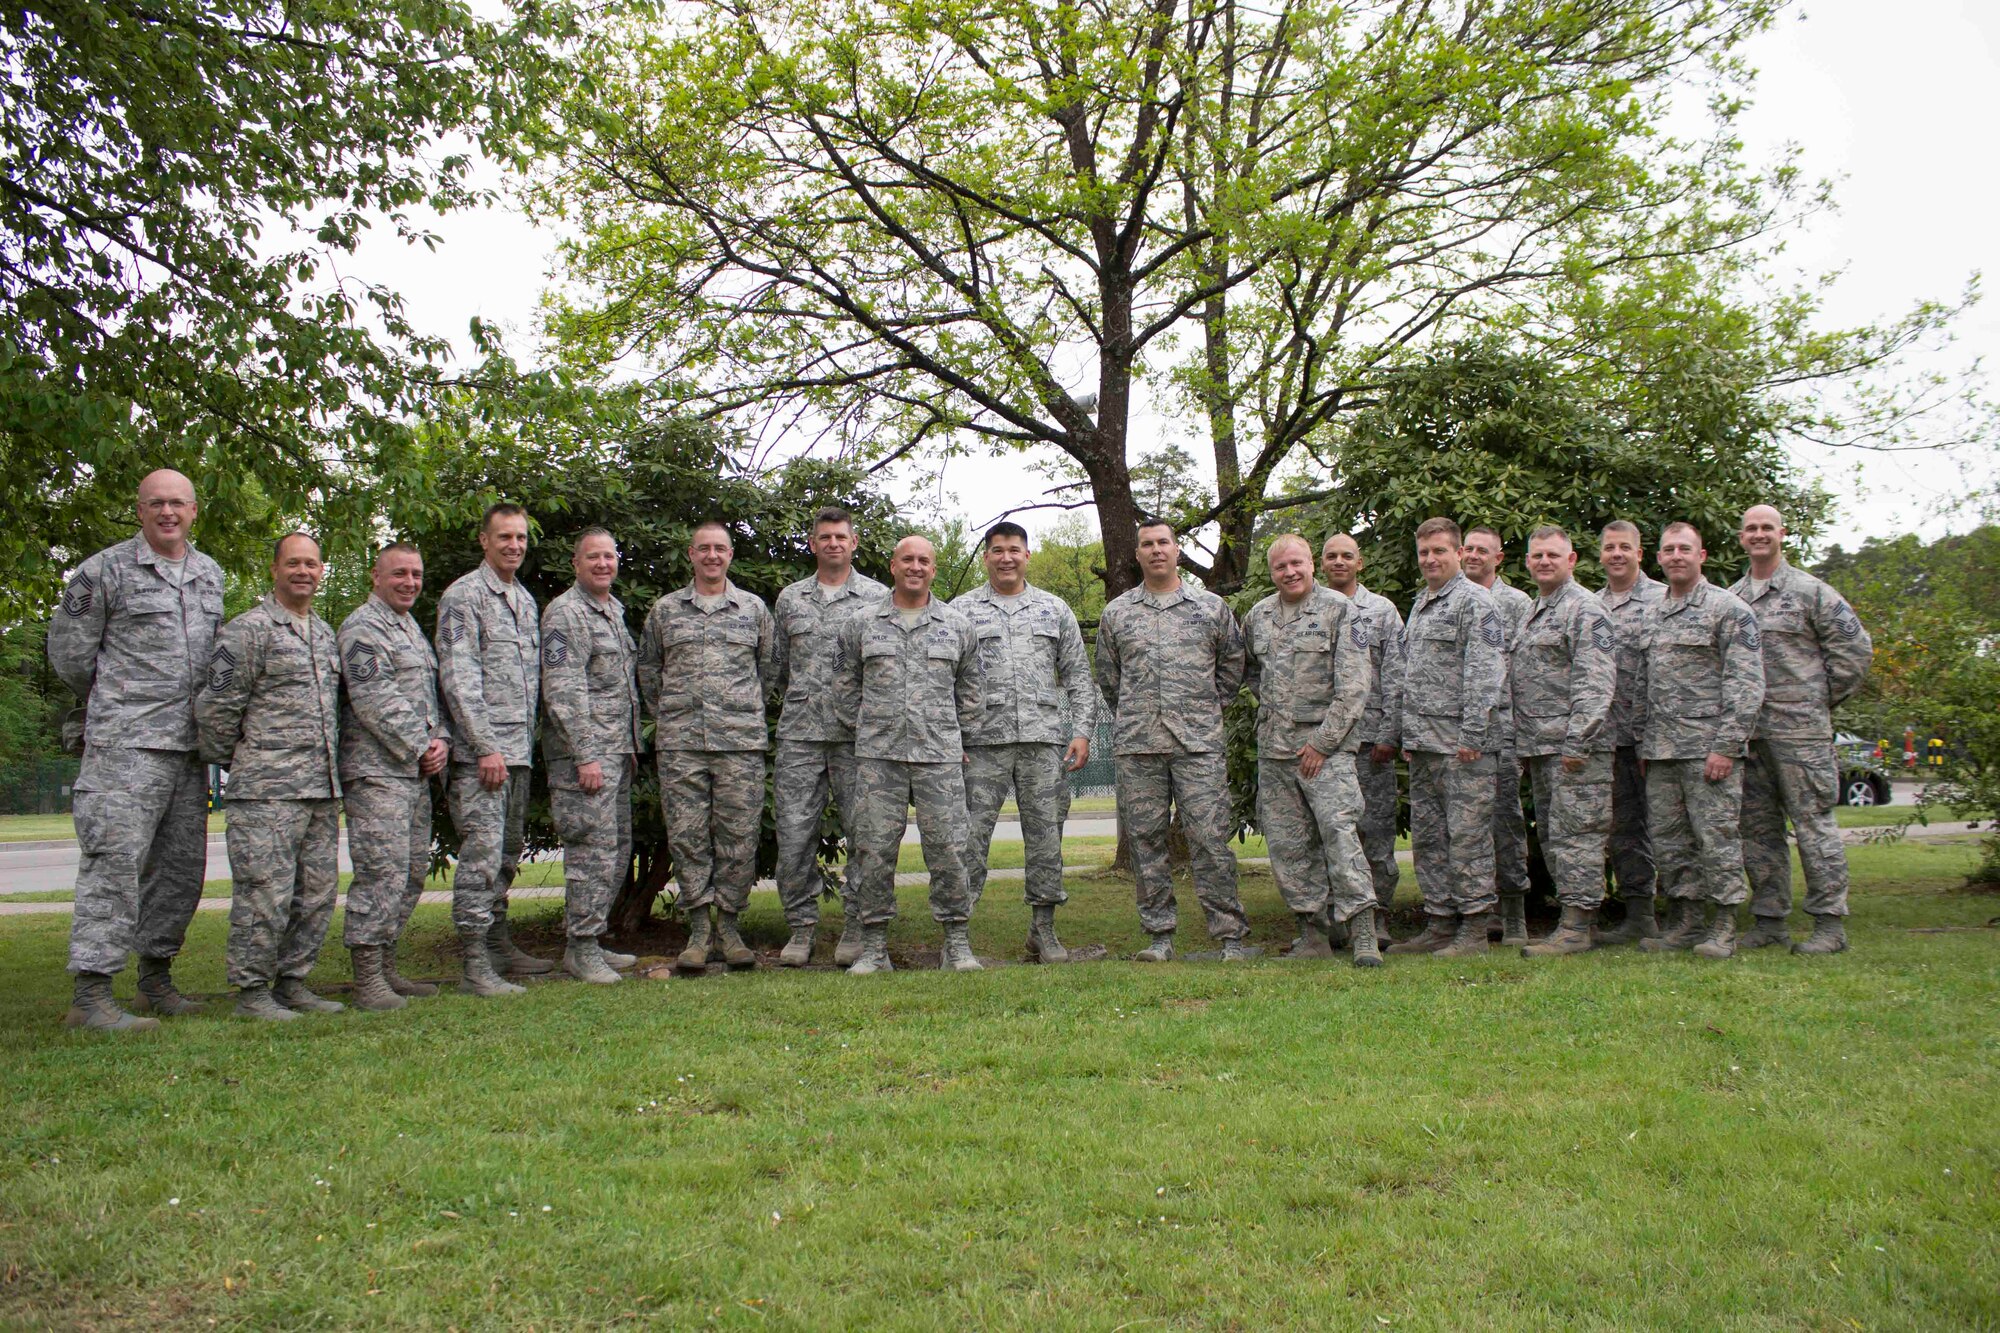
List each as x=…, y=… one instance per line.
x=922, y=224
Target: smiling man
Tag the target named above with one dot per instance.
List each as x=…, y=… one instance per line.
x=1379, y=737
x=1481, y=557
x=1628, y=596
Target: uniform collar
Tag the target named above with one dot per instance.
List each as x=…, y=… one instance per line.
x=1429, y=595
x=1164, y=600
x=888, y=610
x=495, y=584
x=1697, y=595
x=1562, y=592
x=277, y=613
x=827, y=592
x=402, y=620
x=1639, y=585
x=985, y=592
x=730, y=593
x=612, y=607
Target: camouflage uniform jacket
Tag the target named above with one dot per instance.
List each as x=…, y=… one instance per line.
x=705, y=674
x=489, y=667
x=1382, y=720
x=1311, y=674
x=1168, y=664
x=809, y=618
x=1564, y=670
x=389, y=710
x=1701, y=676
x=1453, y=670
x=1514, y=606
x=270, y=711
x=908, y=692
x=133, y=646
x=1816, y=654
x=590, y=703
x=1033, y=671
x=1628, y=611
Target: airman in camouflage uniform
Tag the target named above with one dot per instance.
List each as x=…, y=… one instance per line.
x=393, y=740
x=1452, y=674
x=489, y=677
x=1380, y=735
x=1628, y=596
x=1482, y=556
x=1169, y=660
x=1701, y=682
x=815, y=749
x=1564, y=669
x=1040, y=710
x=1816, y=654
x=1307, y=652
x=590, y=742
x=270, y=713
x=906, y=682
x=707, y=661
x=132, y=640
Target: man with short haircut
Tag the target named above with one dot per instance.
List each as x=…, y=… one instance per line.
x=906, y=684
x=1701, y=682
x=707, y=661
x=1816, y=654
x=489, y=676
x=1628, y=597
x=1482, y=556
x=131, y=640
x=1452, y=676
x=815, y=748
x=1380, y=734
x=1036, y=726
x=590, y=742
x=1565, y=666
x=393, y=741
x=1307, y=649
x=270, y=714
x=1169, y=660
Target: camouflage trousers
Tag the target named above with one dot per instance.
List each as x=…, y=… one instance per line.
x=490, y=825
x=1451, y=832
x=1313, y=828
x=1573, y=816
x=1631, y=848
x=596, y=832
x=805, y=774
x=142, y=842
x=713, y=803
x=1151, y=788
x=1696, y=831
x=284, y=857
x=1510, y=826
x=885, y=789
x=1378, y=822
x=1795, y=780
x=1033, y=772
x=389, y=840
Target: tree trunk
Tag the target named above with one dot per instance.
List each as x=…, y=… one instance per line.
x=645, y=879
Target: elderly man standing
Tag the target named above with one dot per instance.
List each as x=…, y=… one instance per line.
x=489, y=674
x=1481, y=556
x=1701, y=682
x=1380, y=735
x=393, y=741
x=1565, y=665
x=815, y=749
x=1169, y=660
x=1452, y=676
x=1040, y=706
x=590, y=742
x=1816, y=654
x=906, y=682
x=270, y=714
x=707, y=660
x=1628, y=597
x=1307, y=649
x=132, y=641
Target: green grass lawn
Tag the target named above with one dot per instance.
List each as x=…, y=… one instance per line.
x=1609, y=1141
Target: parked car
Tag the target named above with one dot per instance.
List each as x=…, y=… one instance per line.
x=1863, y=779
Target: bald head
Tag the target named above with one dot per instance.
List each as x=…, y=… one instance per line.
x=1762, y=537
x=913, y=567
x=166, y=509
x=1340, y=561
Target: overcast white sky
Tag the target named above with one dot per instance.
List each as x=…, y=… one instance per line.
x=1898, y=103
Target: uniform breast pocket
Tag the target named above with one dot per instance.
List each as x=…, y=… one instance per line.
x=1432, y=680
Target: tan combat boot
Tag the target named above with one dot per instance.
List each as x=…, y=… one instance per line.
x=1571, y=936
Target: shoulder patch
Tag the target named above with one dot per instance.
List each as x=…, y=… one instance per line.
x=221, y=668
x=453, y=627
x=1845, y=623
x=1746, y=631
x=78, y=596
x=555, y=647
x=1489, y=629
x=1357, y=631
x=364, y=662
x=1600, y=634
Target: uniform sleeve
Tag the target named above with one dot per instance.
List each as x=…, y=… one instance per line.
x=1353, y=682
x=1845, y=647
x=781, y=650
x=966, y=684
x=566, y=686
x=1483, y=667
x=652, y=652
x=1389, y=679
x=462, y=678
x=846, y=680
x=233, y=667
x=77, y=631
x=770, y=661
x=1253, y=664
x=1642, y=705
x=1593, y=678
x=1107, y=660
x=1742, y=651
x=381, y=700
x=1073, y=667
x=1230, y=659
